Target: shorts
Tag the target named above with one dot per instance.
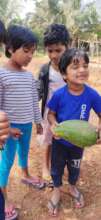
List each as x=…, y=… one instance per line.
x=65, y=156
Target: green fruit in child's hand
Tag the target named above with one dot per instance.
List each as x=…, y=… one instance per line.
x=77, y=132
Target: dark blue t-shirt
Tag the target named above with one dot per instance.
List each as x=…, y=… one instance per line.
x=69, y=107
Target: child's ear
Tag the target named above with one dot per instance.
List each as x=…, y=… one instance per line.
x=10, y=50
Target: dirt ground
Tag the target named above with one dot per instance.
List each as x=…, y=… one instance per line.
x=32, y=203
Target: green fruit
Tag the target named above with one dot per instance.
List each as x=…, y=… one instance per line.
x=77, y=132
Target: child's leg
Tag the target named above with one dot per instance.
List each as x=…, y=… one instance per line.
x=2, y=206
x=23, y=150
x=6, y=162
x=74, y=161
x=23, y=145
x=46, y=151
x=46, y=162
x=53, y=203
x=58, y=161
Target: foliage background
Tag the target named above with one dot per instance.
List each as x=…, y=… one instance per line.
x=82, y=21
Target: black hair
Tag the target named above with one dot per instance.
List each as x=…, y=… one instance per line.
x=56, y=33
x=71, y=55
x=19, y=36
x=2, y=33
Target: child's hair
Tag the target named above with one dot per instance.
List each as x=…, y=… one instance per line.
x=56, y=33
x=72, y=55
x=2, y=32
x=18, y=36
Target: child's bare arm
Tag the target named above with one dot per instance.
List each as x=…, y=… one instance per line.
x=39, y=129
x=99, y=129
x=52, y=120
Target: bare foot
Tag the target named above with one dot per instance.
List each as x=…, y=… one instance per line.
x=46, y=174
x=54, y=202
x=53, y=208
x=77, y=197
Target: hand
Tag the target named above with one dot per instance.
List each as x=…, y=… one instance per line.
x=15, y=132
x=53, y=126
x=39, y=129
x=4, y=128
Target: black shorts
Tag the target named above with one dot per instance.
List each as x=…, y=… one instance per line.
x=65, y=156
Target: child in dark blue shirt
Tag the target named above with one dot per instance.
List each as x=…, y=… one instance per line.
x=73, y=101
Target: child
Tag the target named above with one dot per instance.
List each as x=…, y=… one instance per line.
x=4, y=132
x=73, y=101
x=56, y=41
x=4, y=127
x=19, y=99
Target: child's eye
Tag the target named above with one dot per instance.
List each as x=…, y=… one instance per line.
x=85, y=66
x=50, y=51
x=75, y=67
x=58, y=51
x=25, y=50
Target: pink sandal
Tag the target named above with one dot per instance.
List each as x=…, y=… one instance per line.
x=11, y=213
x=35, y=182
x=78, y=200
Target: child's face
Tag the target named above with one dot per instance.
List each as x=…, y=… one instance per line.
x=23, y=55
x=55, y=52
x=77, y=72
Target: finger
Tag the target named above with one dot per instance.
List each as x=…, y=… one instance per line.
x=3, y=116
x=1, y=147
x=4, y=124
x=1, y=144
x=17, y=136
x=4, y=131
x=3, y=138
x=4, y=134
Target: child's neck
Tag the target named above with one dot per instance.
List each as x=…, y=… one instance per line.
x=13, y=65
x=55, y=67
x=75, y=90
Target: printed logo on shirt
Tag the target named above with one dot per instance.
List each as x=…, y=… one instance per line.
x=83, y=111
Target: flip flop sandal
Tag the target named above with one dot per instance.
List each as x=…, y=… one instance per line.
x=78, y=200
x=48, y=180
x=34, y=183
x=53, y=207
x=14, y=215
x=50, y=184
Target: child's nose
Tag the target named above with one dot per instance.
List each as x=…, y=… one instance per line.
x=54, y=55
x=30, y=55
x=81, y=69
